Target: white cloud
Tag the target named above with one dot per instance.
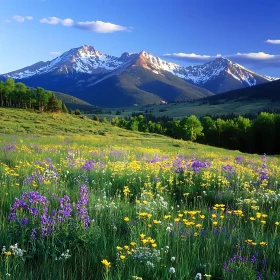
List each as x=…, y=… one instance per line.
x=55, y=53
x=260, y=59
x=18, y=18
x=50, y=20
x=254, y=56
x=94, y=26
x=67, y=22
x=101, y=27
x=29, y=17
x=7, y=20
x=192, y=57
x=276, y=42
x=55, y=20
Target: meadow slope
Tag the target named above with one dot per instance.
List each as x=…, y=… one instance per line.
x=98, y=202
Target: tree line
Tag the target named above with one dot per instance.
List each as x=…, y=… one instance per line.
x=259, y=135
x=18, y=95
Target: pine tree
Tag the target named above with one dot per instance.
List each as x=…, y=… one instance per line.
x=54, y=105
x=95, y=118
x=77, y=112
x=64, y=108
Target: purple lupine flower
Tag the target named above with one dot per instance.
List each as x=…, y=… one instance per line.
x=264, y=172
x=24, y=222
x=81, y=206
x=65, y=208
x=33, y=234
x=239, y=159
x=253, y=259
x=10, y=148
x=89, y=165
x=228, y=168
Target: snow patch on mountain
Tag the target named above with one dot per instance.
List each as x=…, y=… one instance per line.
x=88, y=60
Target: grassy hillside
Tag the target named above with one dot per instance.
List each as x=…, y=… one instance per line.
x=198, y=108
x=24, y=123
x=79, y=204
x=73, y=102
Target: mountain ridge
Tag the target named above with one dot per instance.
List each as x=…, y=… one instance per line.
x=84, y=71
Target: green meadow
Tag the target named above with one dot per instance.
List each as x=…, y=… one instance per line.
x=86, y=200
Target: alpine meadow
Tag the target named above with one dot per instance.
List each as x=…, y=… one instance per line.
x=139, y=140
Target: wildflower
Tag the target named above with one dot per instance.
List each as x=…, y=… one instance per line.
x=215, y=223
x=263, y=243
x=150, y=264
x=277, y=223
x=81, y=206
x=126, y=191
x=122, y=257
x=173, y=259
x=106, y=264
x=126, y=219
x=172, y=270
x=198, y=276
x=208, y=276
x=64, y=256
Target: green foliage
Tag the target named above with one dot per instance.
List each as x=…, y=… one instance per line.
x=238, y=133
x=77, y=112
x=191, y=128
x=20, y=96
x=54, y=105
x=95, y=118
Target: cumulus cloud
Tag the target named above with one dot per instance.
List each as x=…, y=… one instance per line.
x=55, y=53
x=18, y=18
x=192, y=57
x=93, y=26
x=100, y=26
x=276, y=42
x=29, y=17
x=257, y=60
x=55, y=20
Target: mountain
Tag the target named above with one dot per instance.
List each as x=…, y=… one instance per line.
x=133, y=78
x=222, y=75
x=268, y=91
x=108, y=81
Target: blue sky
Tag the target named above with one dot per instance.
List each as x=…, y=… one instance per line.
x=183, y=31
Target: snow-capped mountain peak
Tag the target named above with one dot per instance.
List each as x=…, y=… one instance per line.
x=218, y=75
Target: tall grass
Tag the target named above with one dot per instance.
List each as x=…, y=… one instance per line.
x=113, y=207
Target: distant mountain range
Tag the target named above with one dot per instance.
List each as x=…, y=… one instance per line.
x=268, y=91
x=133, y=78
